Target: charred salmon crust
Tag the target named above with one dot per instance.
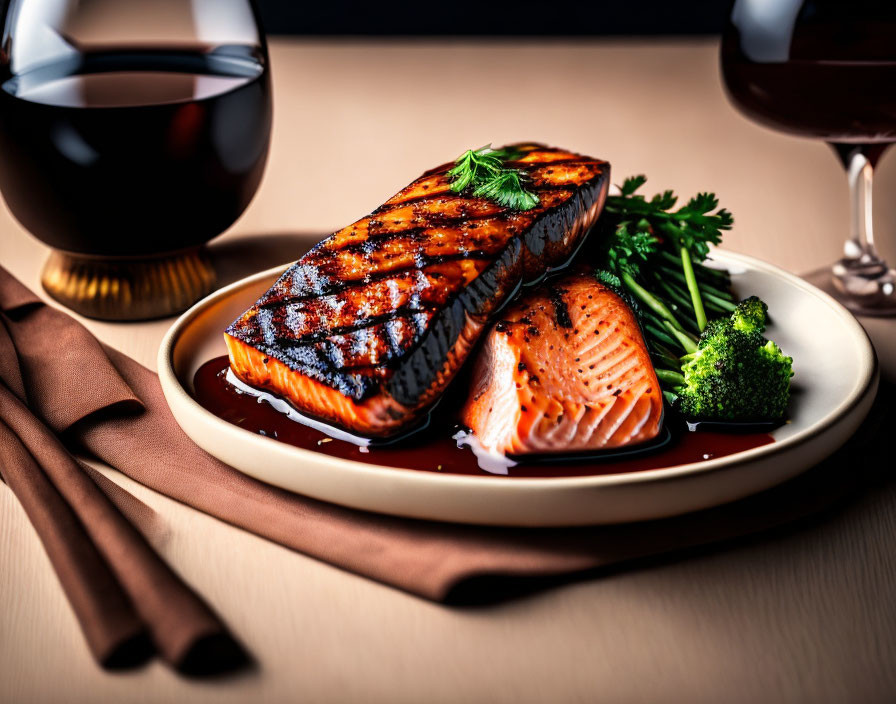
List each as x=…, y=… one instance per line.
x=367, y=329
x=565, y=370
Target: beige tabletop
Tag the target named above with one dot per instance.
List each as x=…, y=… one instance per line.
x=802, y=614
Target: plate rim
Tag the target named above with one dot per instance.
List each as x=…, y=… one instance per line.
x=171, y=384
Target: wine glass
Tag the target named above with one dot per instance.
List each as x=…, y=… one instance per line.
x=825, y=69
x=131, y=133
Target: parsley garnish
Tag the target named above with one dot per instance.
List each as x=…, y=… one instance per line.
x=654, y=252
x=643, y=224
x=692, y=227
x=484, y=171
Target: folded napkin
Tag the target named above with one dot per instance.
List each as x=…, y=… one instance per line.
x=108, y=405
x=128, y=601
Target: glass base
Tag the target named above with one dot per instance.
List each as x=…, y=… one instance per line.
x=136, y=288
x=864, y=288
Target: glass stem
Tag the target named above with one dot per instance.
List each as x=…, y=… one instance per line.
x=865, y=283
x=860, y=172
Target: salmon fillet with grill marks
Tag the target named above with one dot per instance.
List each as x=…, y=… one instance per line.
x=367, y=329
x=566, y=369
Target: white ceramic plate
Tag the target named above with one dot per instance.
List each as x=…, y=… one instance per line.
x=834, y=385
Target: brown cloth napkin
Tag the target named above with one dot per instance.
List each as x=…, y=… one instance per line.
x=90, y=393
x=126, y=598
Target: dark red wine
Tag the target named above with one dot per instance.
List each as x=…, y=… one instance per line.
x=817, y=68
x=134, y=151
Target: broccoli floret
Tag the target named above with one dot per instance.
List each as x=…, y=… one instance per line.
x=736, y=374
x=750, y=315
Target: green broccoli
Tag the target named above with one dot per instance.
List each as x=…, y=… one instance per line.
x=750, y=315
x=736, y=374
x=654, y=251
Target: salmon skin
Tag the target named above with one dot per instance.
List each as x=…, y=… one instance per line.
x=367, y=329
x=565, y=370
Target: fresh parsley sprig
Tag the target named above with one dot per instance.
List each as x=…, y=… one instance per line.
x=475, y=167
x=485, y=173
x=655, y=252
x=506, y=188
x=690, y=229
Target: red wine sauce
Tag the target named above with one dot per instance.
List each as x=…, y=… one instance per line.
x=433, y=449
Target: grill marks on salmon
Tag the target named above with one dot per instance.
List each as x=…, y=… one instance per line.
x=367, y=329
x=565, y=370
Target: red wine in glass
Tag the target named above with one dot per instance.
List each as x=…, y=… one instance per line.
x=131, y=133
x=133, y=151
x=825, y=69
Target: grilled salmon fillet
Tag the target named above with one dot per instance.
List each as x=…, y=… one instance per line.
x=367, y=329
x=565, y=370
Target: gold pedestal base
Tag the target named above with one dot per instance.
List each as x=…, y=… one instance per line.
x=128, y=289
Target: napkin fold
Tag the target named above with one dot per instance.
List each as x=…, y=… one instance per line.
x=108, y=405
x=128, y=601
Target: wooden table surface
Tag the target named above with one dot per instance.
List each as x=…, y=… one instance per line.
x=802, y=614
